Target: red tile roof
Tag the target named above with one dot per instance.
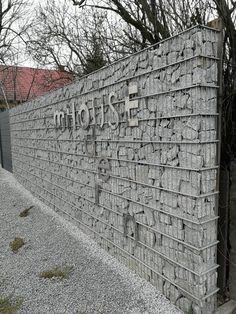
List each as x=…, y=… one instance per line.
x=22, y=83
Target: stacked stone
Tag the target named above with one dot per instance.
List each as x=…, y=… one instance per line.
x=156, y=211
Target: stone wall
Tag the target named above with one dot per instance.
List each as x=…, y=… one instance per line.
x=130, y=154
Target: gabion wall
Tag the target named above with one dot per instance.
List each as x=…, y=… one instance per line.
x=130, y=154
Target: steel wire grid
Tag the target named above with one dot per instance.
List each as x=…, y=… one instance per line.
x=180, y=167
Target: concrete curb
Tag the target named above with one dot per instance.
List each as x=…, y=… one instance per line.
x=227, y=308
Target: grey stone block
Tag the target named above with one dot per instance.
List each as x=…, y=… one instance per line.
x=190, y=160
x=170, y=179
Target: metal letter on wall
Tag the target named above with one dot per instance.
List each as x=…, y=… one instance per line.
x=93, y=112
x=97, y=193
x=90, y=139
x=104, y=169
x=126, y=219
x=114, y=124
x=84, y=116
x=102, y=115
x=71, y=117
x=59, y=117
x=131, y=104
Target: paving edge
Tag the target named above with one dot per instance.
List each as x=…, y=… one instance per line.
x=227, y=308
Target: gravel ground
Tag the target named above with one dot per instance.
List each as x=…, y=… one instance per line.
x=96, y=284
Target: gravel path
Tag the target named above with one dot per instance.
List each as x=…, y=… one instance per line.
x=96, y=284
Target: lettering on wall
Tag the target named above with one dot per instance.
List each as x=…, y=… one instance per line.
x=90, y=144
x=131, y=104
x=104, y=169
x=82, y=116
x=126, y=219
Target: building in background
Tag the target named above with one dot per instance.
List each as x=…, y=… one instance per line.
x=19, y=84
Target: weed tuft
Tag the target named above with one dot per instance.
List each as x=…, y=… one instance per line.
x=56, y=272
x=9, y=305
x=25, y=211
x=16, y=244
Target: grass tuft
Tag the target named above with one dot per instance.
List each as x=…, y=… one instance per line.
x=25, y=211
x=9, y=305
x=16, y=244
x=56, y=272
